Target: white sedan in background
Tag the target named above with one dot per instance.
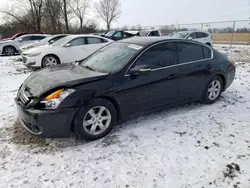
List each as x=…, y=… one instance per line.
x=66, y=50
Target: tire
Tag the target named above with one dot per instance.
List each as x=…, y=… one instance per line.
x=213, y=90
x=9, y=51
x=92, y=127
x=50, y=60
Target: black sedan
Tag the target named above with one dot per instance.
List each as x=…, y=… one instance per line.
x=120, y=80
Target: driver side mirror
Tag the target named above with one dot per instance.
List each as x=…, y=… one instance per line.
x=51, y=41
x=20, y=40
x=67, y=45
x=190, y=38
x=140, y=70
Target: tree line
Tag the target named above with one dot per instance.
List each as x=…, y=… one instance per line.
x=58, y=16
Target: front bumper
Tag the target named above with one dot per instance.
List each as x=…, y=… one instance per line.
x=29, y=61
x=50, y=124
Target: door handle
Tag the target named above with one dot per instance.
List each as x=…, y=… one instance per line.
x=209, y=66
x=171, y=76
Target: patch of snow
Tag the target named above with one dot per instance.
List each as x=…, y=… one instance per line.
x=191, y=146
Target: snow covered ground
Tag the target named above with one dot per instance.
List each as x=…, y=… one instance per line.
x=191, y=146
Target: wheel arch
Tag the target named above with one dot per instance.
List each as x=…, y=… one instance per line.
x=116, y=105
x=221, y=75
x=223, y=79
x=114, y=102
x=10, y=46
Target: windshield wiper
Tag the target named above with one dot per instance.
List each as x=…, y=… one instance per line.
x=88, y=67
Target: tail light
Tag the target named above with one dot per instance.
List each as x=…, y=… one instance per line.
x=211, y=36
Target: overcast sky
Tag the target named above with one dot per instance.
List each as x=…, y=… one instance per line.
x=161, y=12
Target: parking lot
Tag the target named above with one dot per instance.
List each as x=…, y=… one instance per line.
x=190, y=146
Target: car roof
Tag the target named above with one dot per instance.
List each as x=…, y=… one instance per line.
x=57, y=35
x=134, y=32
x=191, y=31
x=147, y=41
x=149, y=30
x=144, y=41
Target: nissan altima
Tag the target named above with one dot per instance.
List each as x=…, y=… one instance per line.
x=119, y=81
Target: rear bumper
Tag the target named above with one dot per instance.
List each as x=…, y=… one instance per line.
x=230, y=75
x=50, y=124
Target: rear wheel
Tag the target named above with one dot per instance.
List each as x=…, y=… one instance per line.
x=9, y=51
x=50, y=60
x=95, y=120
x=213, y=90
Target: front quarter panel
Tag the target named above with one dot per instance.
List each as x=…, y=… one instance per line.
x=86, y=92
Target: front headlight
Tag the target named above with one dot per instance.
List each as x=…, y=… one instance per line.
x=33, y=54
x=53, y=100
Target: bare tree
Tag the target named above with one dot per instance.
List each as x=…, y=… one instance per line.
x=80, y=8
x=52, y=15
x=66, y=12
x=108, y=10
x=36, y=7
x=33, y=13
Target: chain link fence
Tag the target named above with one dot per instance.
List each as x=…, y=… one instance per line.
x=223, y=32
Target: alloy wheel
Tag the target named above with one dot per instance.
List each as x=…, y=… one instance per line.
x=9, y=51
x=50, y=61
x=97, y=120
x=214, y=90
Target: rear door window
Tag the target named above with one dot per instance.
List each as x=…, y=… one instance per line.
x=78, y=41
x=27, y=38
x=158, y=56
x=207, y=52
x=188, y=52
x=94, y=40
x=154, y=34
x=201, y=35
x=37, y=37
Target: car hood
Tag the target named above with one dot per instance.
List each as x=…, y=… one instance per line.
x=64, y=75
x=38, y=48
x=5, y=41
x=37, y=43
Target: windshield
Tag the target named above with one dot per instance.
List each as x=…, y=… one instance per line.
x=112, y=58
x=110, y=33
x=16, y=35
x=180, y=35
x=144, y=33
x=63, y=40
x=47, y=39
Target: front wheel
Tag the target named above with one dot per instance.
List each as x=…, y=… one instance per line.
x=9, y=51
x=95, y=120
x=213, y=90
x=50, y=60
